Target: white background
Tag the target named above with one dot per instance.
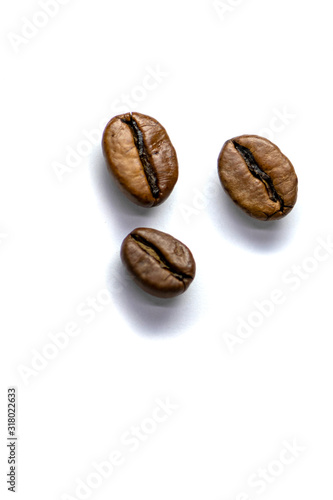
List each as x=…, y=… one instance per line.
x=222, y=74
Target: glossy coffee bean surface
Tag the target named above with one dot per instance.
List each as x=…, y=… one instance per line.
x=141, y=158
x=259, y=178
x=159, y=263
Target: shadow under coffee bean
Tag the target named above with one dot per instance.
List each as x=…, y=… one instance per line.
x=258, y=177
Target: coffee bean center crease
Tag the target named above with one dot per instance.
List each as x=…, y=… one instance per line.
x=257, y=172
x=152, y=250
x=144, y=156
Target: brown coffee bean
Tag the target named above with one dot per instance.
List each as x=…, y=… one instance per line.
x=258, y=177
x=159, y=264
x=141, y=158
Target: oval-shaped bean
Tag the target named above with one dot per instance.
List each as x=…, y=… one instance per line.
x=159, y=263
x=141, y=158
x=258, y=177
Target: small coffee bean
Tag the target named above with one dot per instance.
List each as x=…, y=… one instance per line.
x=141, y=158
x=158, y=263
x=258, y=177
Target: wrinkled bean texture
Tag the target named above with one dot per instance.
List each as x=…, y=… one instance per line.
x=258, y=177
x=159, y=263
x=141, y=158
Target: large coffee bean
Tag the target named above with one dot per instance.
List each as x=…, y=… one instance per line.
x=141, y=158
x=159, y=264
x=258, y=177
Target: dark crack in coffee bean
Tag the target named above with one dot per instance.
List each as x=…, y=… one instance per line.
x=141, y=158
x=158, y=263
x=258, y=177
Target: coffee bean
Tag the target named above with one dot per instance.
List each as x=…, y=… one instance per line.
x=141, y=158
x=159, y=264
x=258, y=177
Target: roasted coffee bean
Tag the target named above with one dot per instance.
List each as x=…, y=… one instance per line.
x=159, y=264
x=258, y=177
x=141, y=158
